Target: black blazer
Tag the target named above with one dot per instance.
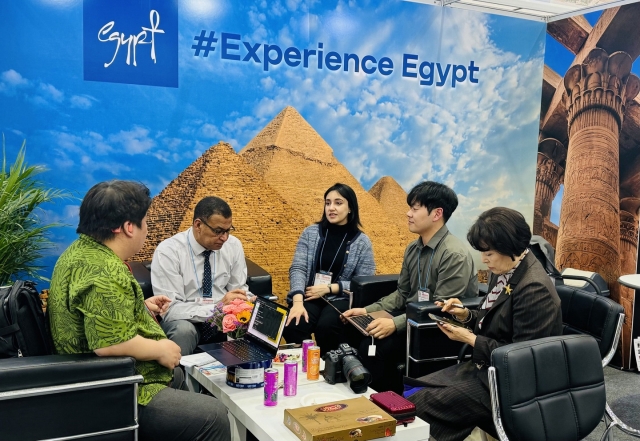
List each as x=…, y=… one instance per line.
x=530, y=311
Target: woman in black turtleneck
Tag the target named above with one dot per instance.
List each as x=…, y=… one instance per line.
x=328, y=255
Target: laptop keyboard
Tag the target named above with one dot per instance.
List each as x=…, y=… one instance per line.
x=362, y=320
x=243, y=349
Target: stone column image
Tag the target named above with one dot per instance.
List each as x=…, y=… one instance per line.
x=552, y=155
x=597, y=92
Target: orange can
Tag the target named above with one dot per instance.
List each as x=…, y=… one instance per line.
x=313, y=363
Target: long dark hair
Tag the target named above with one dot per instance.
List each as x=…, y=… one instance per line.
x=353, y=218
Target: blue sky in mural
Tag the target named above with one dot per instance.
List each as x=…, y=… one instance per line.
x=480, y=138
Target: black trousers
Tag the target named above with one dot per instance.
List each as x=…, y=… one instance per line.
x=324, y=322
x=390, y=352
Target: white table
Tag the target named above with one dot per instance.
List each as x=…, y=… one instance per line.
x=630, y=281
x=246, y=406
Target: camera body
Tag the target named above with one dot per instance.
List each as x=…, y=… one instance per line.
x=343, y=365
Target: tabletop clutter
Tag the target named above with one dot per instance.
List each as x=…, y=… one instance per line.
x=341, y=418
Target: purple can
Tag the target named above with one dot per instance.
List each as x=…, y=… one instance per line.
x=290, y=378
x=306, y=344
x=270, y=387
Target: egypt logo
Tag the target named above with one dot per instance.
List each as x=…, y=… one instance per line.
x=131, y=43
x=145, y=36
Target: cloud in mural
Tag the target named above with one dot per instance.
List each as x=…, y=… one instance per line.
x=384, y=126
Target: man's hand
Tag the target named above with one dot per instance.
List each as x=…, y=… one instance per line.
x=235, y=294
x=381, y=328
x=169, y=353
x=458, y=333
x=351, y=312
x=158, y=304
x=315, y=292
x=297, y=310
x=354, y=311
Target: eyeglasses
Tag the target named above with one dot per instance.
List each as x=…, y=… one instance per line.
x=218, y=231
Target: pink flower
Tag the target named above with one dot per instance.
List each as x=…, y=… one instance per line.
x=231, y=309
x=229, y=323
x=246, y=306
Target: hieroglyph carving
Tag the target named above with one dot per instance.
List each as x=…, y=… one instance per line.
x=597, y=92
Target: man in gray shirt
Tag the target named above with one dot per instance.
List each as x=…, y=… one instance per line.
x=436, y=266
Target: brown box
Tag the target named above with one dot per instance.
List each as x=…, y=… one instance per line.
x=356, y=419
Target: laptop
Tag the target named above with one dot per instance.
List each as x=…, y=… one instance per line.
x=261, y=341
x=361, y=321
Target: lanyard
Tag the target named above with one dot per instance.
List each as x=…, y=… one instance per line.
x=195, y=271
x=426, y=279
x=334, y=257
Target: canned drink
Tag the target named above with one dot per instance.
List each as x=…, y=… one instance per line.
x=313, y=363
x=290, y=378
x=306, y=344
x=270, y=387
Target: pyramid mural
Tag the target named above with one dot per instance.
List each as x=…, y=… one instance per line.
x=275, y=187
x=265, y=223
x=280, y=154
x=392, y=198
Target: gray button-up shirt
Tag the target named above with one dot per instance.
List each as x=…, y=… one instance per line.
x=452, y=273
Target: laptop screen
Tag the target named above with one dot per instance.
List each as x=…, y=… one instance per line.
x=267, y=322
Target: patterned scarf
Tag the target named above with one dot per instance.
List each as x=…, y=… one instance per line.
x=503, y=280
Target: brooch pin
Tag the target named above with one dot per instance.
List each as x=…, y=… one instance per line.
x=508, y=289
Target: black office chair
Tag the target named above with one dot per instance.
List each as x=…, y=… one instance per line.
x=547, y=389
x=68, y=397
x=600, y=317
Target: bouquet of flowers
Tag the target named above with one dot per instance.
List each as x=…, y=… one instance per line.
x=232, y=318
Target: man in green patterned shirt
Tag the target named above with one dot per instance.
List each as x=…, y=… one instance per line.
x=96, y=305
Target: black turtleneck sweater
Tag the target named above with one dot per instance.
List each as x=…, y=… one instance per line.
x=334, y=247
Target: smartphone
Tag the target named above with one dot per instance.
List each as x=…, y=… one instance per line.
x=437, y=318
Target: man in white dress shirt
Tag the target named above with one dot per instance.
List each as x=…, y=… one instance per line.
x=196, y=269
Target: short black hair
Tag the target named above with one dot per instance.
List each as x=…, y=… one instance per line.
x=108, y=205
x=353, y=218
x=500, y=229
x=209, y=206
x=433, y=195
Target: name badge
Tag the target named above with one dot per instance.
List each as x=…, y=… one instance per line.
x=424, y=296
x=205, y=300
x=322, y=278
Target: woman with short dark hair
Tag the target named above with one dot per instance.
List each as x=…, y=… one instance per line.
x=522, y=304
x=328, y=255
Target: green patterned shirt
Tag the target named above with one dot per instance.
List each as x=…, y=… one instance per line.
x=95, y=302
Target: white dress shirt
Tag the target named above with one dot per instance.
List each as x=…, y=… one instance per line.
x=177, y=269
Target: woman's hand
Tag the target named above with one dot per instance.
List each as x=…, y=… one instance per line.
x=458, y=333
x=452, y=306
x=297, y=310
x=315, y=292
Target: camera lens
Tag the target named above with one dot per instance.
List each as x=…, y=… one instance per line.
x=357, y=375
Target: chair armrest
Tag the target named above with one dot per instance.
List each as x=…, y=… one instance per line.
x=369, y=289
x=56, y=370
